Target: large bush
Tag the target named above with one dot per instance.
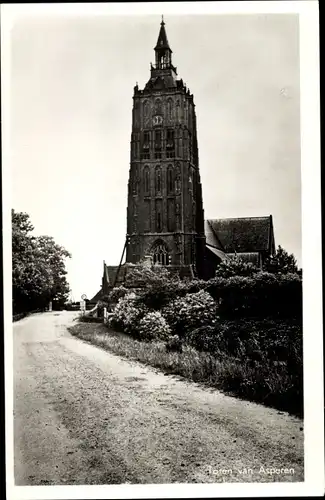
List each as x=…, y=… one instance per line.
x=190, y=312
x=157, y=285
x=127, y=314
x=153, y=326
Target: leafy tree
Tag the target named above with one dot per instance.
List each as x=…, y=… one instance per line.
x=157, y=285
x=281, y=262
x=235, y=266
x=38, y=267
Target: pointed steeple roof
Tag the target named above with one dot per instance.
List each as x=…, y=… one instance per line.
x=162, y=42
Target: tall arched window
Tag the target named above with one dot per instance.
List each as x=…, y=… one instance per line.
x=178, y=178
x=146, y=180
x=170, y=109
x=160, y=253
x=159, y=220
x=190, y=179
x=158, y=180
x=145, y=108
x=170, y=180
x=178, y=110
x=194, y=214
x=158, y=143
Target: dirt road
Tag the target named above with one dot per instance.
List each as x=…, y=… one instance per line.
x=85, y=416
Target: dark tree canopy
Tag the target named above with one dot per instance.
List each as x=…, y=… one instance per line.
x=281, y=262
x=38, y=267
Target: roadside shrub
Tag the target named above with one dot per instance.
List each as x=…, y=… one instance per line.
x=174, y=344
x=127, y=314
x=258, y=340
x=190, y=312
x=153, y=326
x=117, y=293
x=204, y=338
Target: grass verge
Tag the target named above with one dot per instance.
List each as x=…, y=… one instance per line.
x=270, y=383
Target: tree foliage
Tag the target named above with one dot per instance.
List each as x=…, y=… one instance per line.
x=281, y=262
x=38, y=267
x=235, y=266
x=156, y=284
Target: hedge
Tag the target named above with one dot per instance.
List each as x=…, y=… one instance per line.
x=262, y=295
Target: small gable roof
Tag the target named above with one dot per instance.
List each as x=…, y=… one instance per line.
x=111, y=272
x=97, y=297
x=244, y=234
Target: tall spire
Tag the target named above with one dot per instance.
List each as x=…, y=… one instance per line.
x=162, y=42
x=162, y=49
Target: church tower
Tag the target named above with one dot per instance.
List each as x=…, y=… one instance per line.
x=165, y=219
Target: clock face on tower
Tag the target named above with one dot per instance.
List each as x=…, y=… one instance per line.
x=157, y=120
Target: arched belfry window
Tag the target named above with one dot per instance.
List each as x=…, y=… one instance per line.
x=158, y=108
x=146, y=180
x=170, y=143
x=158, y=179
x=160, y=253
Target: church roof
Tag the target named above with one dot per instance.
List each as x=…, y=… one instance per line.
x=211, y=237
x=216, y=251
x=244, y=234
x=162, y=42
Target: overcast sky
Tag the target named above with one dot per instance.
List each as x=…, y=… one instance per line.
x=72, y=83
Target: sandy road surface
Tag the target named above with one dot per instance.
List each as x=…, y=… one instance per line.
x=85, y=416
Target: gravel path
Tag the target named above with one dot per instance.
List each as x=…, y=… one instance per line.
x=85, y=416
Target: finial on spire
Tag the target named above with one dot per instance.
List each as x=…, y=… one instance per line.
x=162, y=19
